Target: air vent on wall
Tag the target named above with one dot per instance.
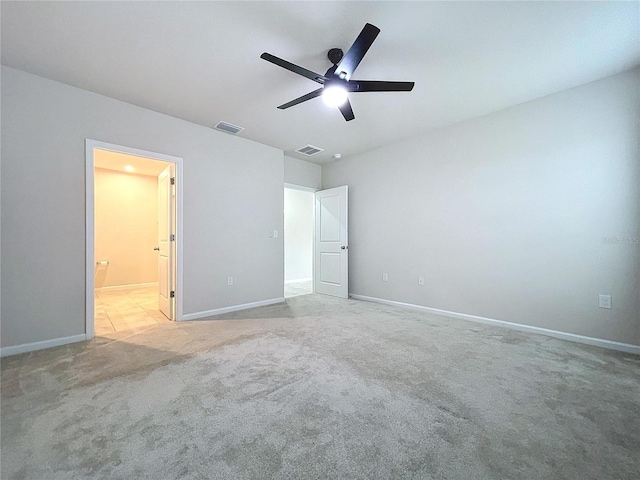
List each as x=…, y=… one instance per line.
x=309, y=150
x=229, y=128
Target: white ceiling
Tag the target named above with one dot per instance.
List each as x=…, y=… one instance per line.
x=199, y=61
x=119, y=161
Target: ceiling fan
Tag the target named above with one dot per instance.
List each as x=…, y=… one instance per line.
x=336, y=83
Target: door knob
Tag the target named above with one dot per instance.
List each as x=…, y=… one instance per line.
x=343, y=247
x=157, y=249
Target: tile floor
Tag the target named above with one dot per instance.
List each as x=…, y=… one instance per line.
x=135, y=308
x=130, y=308
x=298, y=288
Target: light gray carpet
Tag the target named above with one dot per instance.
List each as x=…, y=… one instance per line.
x=322, y=388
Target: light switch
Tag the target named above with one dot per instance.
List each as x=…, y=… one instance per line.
x=275, y=234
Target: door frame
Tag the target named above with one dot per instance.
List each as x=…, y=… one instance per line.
x=90, y=145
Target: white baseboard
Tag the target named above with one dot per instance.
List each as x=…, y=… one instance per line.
x=56, y=342
x=128, y=285
x=598, y=342
x=233, y=308
x=298, y=280
x=32, y=347
x=572, y=337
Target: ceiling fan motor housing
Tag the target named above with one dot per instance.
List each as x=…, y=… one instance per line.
x=335, y=55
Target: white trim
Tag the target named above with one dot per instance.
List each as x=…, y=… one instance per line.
x=90, y=145
x=293, y=186
x=298, y=280
x=572, y=337
x=32, y=347
x=128, y=285
x=233, y=308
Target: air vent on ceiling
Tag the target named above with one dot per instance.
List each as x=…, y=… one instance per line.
x=309, y=150
x=229, y=128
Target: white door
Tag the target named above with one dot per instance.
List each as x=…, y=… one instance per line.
x=166, y=241
x=332, y=242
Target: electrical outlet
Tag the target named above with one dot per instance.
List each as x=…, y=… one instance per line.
x=420, y=280
x=604, y=301
x=229, y=281
x=385, y=277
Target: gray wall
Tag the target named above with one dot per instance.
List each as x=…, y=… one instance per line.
x=299, y=172
x=505, y=215
x=232, y=200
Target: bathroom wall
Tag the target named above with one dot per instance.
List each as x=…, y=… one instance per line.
x=126, y=228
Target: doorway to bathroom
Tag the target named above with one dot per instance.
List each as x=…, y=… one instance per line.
x=133, y=226
x=298, y=241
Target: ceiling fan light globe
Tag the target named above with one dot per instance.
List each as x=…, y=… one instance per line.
x=334, y=96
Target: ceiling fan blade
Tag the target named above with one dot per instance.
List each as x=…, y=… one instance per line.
x=378, y=86
x=304, y=98
x=347, y=111
x=354, y=56
x=316, y=77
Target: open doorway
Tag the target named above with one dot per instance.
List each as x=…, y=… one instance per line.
x=133, y=230
x=298, y=241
